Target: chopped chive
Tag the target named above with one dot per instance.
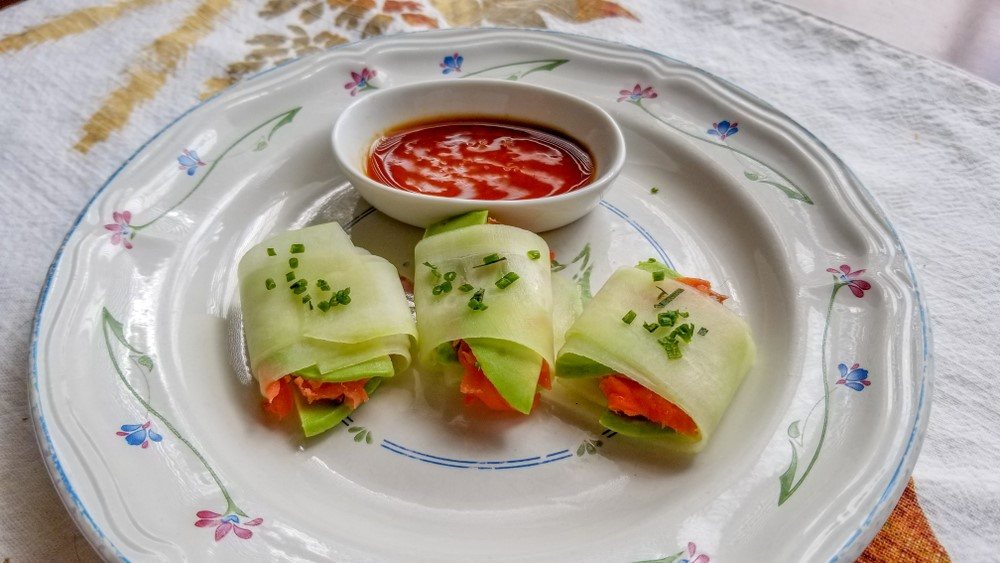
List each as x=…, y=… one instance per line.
x=651, y=327
x=466, y=287
x=306, y=298
x=343, y=296
x=659, y=275
x=663, y=302
x=672, y=348
x=654, y=190
x=491, y=259
x=684, y=332
x=293, y=262
x=269, y=284
x=271, y=252
x=442, y=288
x=702, y=331
x=534, y=254
x=450, y=276
x=434, y=270
x=290, y=276
x=476, y=301
x=324, y=306
x=322, y=285
x=507, y=280
x=299, y=290
x=297, y=248
x=629, y=317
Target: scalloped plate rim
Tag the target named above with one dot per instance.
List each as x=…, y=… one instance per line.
x=877, y=515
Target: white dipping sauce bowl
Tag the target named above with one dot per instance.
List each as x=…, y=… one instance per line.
x=368, y=119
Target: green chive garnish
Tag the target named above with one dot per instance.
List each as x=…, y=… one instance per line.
x=671, y=347
x=491, y=259
x=659, y=275
x=534, y=254
x=306, y=298
x=507, y=280
x=669, y=318
x=322, y=285
x=654, y=190
x=297, y=248
x=450, y=276
x=442, y=288
x=466, y=287
x=271, y=252
x=324, y=306
x=293, y=262
x=290, y=276
x=684, y=332
x=702, y=331
x=663, y=303
x=629, y=317
x=343, y=296
x=651, y=327
x=476, y=301
x=434, y=270
x=269, y=284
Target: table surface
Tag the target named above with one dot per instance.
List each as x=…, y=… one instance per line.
x=965, y=33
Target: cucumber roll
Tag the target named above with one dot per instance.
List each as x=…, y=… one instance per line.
x=659, y=353
x=483, y=297
x=325, y=324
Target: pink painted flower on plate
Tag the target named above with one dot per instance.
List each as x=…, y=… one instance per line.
x=850, y=279
x=693, y=556
x=225, y=523
x=637, y=94
x=360, y=81
x=121, y=230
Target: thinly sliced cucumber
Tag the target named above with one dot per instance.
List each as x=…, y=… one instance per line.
x=288, y=332
x=513, y=334
x=573, y=365
x=653, y=265
x=511, y=368
x=379, y=367
x=702, y=382
x=520, y=313
x=469, y=219
x=321, y=416
x=635, y=427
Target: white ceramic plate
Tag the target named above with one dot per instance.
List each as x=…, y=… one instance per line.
x=154, y=435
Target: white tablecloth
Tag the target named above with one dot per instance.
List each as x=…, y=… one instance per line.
x=921, y=135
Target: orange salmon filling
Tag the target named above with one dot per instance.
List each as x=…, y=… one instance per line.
x=703, y=286
x=475, y=385
x=631, y=399
x=279, y=398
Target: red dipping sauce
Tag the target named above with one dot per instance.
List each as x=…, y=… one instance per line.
x=480, y=158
